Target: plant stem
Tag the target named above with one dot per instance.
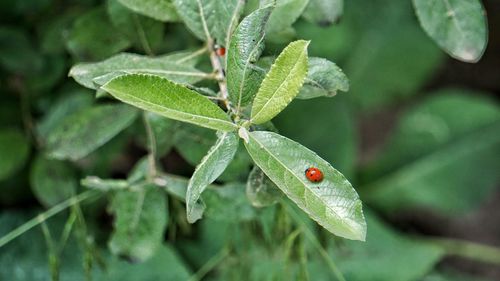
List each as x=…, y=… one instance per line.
x=46, y=215
x=193, y=55
x=151, y=146
x=309, y=235
x=221, y=75
x=467, y=249
x=210, y=264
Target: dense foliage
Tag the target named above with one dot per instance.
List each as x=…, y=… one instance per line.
x=177, y=147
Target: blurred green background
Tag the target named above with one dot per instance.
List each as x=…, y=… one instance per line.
x=418, y=136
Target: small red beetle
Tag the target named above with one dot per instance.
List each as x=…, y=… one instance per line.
x=314, y=174
x=221, y=51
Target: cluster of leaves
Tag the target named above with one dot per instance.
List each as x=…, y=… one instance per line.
x=216, y=112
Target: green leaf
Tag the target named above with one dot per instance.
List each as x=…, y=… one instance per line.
x=336, y=142
x=52, y=181
x=210, y=18
x=162, y=10
x=324, y=12
x=383, y=250
x=93, y=36
x=282, y=83
x=94, y=75
x=159, y=95
x=437, y=153
x=285, y=13
x=14, y=151
x=143, y=32
x=246, y=45
x=228, y=203
x=193, y=142
x=70, y=102
x=333, y=203
x=324, y=78
x=88, y=129
x=17, y=53
x=458, y=27
x=165, y=265
x=261, y=191
x=210, y=168
x=140, y=220
x=163, y=131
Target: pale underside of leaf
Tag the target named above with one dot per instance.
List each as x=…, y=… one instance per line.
x=211, y=167
x=333, y=203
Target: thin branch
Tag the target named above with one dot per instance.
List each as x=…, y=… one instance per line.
x=467, y=249
x=90, y=194
x=210, y=264
x=192, y=55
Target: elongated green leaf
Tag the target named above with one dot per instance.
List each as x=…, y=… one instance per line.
x=383, y=249
x=159, y=95
x=212, y=18
x=459, y=27
x=69, y=103
x=261, y=191
x=282, y=82
x=324, y=12
x=94, y=75
x=439, y=158
x=94, y=37
x=333, y=203
x=324, y=79
x=140, y=221
x=52, y=181
x=210, y=168
x=14, y=150
x=245, y=48
x=145, y=33
x=86, y=130
x=162, y=10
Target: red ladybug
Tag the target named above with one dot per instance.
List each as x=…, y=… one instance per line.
x=221, y=51
x=314, y=174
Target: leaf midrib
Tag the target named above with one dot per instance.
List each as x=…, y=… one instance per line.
x=279, y=87
x=211, y=152
x=132, y=97
x=300, y=180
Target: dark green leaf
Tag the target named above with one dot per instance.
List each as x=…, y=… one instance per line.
x=324, y=12
x=282, y=83
x=324, y=78
x=438, y=152
x=193, y=142
x=458, y=27
x=94, y=75
x=17, y=53
x=211, y=167
x=210, y=18
x=245, y=48
x=333, y=203
x=159, y=95
x=52, y=181
x=88, y=129
x=162, y=10
x=14, y=151
x=285, y=13
x=93, y=36
x=261, y=191
x=143, y=32
x=380, y=257
x=140, y=221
